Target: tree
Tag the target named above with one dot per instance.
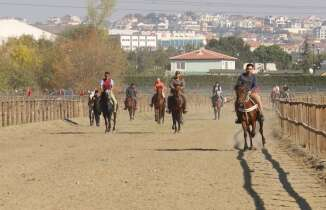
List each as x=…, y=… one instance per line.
x=232, y=46
x=80, y=62
x=98, y=11
x=20, y=63
x=306, y=57
x=273, y=54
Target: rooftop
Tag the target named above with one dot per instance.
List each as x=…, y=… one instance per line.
x=203, y=54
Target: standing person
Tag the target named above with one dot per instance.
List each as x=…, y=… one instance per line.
x=177, y=81
x=131, y=92
x=158, y=86
x=29, y=92
x=248, y=79
x=106, y=85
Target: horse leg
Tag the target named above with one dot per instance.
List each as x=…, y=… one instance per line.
x=261, y=130
x=219, y=113
x=114, y=120
x=245, y=136
x=179, y=123
x=109, y=120
x=106, y=123
x=215, y=113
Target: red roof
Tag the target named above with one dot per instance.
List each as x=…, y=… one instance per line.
x=203, y=54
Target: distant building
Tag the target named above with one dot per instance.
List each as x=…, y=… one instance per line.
x=12, y=28
x=202, y=62
x=134, y=42
x=320, y=32
x=180, y=40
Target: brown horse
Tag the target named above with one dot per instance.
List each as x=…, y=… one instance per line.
x=217, y=105
x=250, y=114
x=159, y=107
x=131, y=104
x=176, y=109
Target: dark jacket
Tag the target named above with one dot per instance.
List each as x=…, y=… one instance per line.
x=131, y=92
x=249, y=81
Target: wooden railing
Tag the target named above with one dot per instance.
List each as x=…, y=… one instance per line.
x=21, y=110
x=305, y=122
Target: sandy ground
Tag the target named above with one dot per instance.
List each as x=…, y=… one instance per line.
x=57, y=166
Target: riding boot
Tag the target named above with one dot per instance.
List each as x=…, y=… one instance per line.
x=168, y=110
x=153, y=99
x=239, y=114
x=239, y=118
x=125, y=105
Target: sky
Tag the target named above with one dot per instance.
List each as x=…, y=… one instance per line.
x=40, y=10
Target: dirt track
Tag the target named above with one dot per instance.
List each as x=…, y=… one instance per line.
x=144, y=166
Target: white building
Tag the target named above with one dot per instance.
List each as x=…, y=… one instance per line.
x=12, y=28
x=202, y=62
x=320, y=32
x=134, y=42
x=180, y=40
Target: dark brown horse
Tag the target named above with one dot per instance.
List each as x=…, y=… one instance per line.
x=250, y=114
x=107, y=109
x=159, y=107
x=131, y=104
x=177, y=109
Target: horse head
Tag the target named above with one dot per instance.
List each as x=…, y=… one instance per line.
x=242, y=94
x=177, y=90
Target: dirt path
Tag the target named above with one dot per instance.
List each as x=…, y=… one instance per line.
x=144, y=166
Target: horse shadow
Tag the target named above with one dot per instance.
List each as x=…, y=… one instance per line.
x=195, y=150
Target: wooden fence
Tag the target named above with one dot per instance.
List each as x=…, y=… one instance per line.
x=304, y=121
x=21, y=110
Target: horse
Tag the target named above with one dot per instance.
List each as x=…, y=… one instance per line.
x=94, y=110
x=159, y=107
x=274, y=96
x=217, y=105
x=250, y=114
x=131, y=104
x=91, y=114
x=107, y=108
x=176, y=109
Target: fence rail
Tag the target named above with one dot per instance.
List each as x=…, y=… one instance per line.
x=16, y=111
x=304, y=121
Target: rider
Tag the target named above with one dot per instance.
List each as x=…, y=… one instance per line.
x=177, y=81
x=217, y=92
x=132, y=93
x=249, y=80
x=158, y=86
x=106, y=85
x=285, y=93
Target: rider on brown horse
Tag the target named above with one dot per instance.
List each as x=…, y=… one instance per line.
x=248, y=79
x=159, y=86
x=177, y=81
x=217, y=93
x=131, y=92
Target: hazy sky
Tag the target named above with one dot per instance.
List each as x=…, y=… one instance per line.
x=39, y=10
